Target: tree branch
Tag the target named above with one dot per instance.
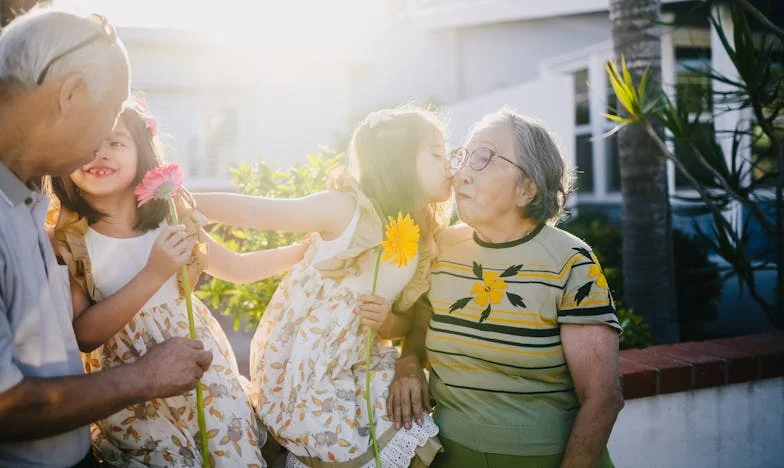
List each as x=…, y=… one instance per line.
x=755, y=210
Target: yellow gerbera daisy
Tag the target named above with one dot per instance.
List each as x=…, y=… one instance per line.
x=491, y=289
x=401, y=241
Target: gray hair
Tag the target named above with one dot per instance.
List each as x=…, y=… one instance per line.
x=31, y=40
x=536, y=150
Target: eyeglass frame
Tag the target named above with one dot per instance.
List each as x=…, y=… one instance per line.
x=107, y=31
x=466, y=159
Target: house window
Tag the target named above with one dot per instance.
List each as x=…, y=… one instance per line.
x=613, y=164
x=583, y=145
x=693, y=93
x=214, y=146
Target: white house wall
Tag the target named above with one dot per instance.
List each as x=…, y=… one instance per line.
x=505, y=54
x=410, y=63
x=548, y=99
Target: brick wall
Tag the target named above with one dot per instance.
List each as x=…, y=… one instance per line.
x=696, y=365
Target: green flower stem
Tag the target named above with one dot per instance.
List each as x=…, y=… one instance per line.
x=187, y=292
x=370, y=406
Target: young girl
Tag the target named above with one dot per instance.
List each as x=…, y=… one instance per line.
x=123, y=262
x=308, y=353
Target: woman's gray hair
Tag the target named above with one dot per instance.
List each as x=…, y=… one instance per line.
x=31, y=40
x=537, y=152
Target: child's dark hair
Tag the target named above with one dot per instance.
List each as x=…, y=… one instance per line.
x=149, y=156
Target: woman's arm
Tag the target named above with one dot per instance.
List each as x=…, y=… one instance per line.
x=592, y=356
x=327, y=212
x=238, y=268
x=95, y=323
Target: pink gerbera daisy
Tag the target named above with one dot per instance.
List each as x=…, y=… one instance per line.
x=160, y=183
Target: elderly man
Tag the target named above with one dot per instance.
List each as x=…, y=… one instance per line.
x=63, y=80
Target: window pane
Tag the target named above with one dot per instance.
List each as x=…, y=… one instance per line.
x=219, y=132
x=584, y=157
x=693, y=89
x=702, y=136
x=582, y=110
x=613, y=164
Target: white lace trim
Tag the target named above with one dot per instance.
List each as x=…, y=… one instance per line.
x=399, y=452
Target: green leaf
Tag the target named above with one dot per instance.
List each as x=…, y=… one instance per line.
x=627, y=77
x=511, y=271
x=583, y=292
x=478, y=271
x=459, y=304
x=485, y=314
x=617, y=118
x=624, y=95
x=643, y=87
x=515, y=300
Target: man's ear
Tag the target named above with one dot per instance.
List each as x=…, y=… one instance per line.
x=72, y=88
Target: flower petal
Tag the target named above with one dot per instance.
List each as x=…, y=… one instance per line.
x=496, y=296
x=160, y=183
x=481, y=298
x=490, y=277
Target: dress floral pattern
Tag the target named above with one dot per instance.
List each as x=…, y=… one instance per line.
x=164, y=432
x=308, y=361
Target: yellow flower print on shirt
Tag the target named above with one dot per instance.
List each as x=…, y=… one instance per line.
x=595, y=276
x=595, y=273
x=491, y=289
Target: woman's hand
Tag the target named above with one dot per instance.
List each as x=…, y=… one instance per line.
x=408, y=393
x=171, y=250
x=373, y=311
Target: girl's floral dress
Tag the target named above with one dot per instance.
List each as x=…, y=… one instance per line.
x=162, y=431
x=308, y=353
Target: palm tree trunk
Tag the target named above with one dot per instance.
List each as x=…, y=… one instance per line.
x=648, y=271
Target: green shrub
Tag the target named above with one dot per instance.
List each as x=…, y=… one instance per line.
x=246, y=302
x=636, y=332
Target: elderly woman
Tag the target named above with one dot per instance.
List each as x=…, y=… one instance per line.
x=521, y=331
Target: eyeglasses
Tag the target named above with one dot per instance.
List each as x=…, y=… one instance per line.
x=107, y=32
x=477, y=159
